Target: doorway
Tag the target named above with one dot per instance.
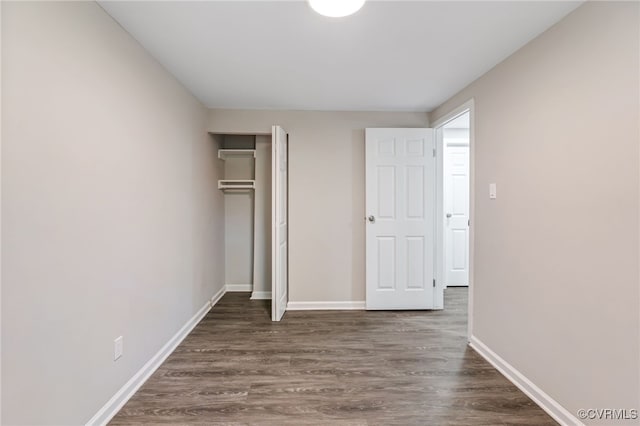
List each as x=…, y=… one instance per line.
x=454, y=135
x=404, y=168
x=456, y=201
x=255, y=186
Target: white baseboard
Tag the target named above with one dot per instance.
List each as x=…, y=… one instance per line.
x=325, y=306
x=239, y=287
x=548, y=404
x=111, y=408
x=216, y=297
x=261, y=295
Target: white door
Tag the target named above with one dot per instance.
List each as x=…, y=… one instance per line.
x=456, y=220
x=279, y=223
x=400, y=209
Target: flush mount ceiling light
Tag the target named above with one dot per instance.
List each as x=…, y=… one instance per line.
x=336, y=8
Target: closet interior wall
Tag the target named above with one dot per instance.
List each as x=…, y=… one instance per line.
x=248, y=215
x=262, y=220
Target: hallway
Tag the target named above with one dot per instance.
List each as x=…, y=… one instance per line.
x=330, y=367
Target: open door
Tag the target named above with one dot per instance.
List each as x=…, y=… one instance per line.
x=279, y=223
x=400, y=206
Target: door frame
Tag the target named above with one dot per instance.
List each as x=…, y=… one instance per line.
x=438, y=125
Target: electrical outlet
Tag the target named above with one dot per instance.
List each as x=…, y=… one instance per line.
x=118, y=348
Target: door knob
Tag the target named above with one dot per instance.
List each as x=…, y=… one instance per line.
x=372, y=219
x=449, y=215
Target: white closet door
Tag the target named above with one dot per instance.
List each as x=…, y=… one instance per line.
x=456, y=208
x=400, y=205
x=279, y=220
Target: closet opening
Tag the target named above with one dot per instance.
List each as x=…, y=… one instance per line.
x=255, y=186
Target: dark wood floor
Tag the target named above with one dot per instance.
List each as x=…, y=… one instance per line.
x=329, y=367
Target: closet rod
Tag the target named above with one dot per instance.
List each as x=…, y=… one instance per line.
x=225, y=154
x=236, y=184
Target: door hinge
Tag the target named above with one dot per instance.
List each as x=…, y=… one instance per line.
x=434, y=152
x=434, y=282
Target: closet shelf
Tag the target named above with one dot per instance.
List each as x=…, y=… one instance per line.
x=225, y=154
x=236, y=184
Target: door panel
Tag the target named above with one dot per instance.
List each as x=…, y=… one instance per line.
x=415, y=186
x=415, y=259
x=386, y=263
x=279, y=219
x=400, y=206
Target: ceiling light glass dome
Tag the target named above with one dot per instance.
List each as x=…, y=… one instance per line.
x=336, y=8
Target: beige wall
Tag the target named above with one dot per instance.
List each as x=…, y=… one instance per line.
x=326, y=204
x=556, y=266
x=112, y=223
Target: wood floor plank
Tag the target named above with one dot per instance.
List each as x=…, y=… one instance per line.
x=344, y=368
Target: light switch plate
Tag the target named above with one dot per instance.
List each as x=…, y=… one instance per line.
x=492, y=191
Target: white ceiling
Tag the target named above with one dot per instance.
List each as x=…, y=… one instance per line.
x=391, y=55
